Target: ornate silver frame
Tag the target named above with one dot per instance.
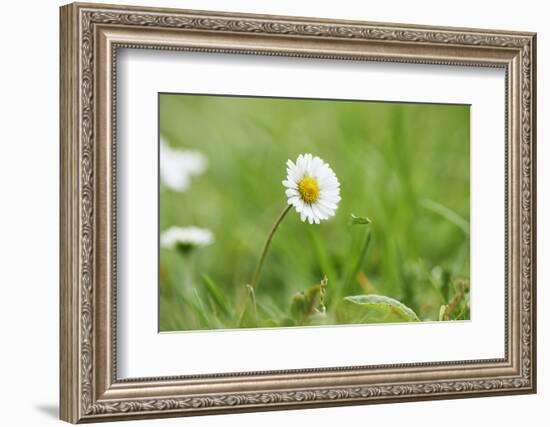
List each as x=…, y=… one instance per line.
x=90, y=36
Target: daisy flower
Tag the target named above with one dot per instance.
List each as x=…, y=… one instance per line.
x=178, y=166
x=186, y=238
x=312, y=188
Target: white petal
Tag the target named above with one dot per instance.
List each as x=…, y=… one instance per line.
x=309, y=159
x=303, y=163
x=293, y=175
x=300, y=162
x=297, y=173
x=291, y=192
x=327, y=213
x=322, y=175
x=290, y=164
x=305, y=210
x=329, y=183
x=309, y=213
x=317, y=213
x=299, y=205
x=334, y=185
x=293, y=200
x=328, y=179
x=330, y=193
x=327, y=203
x=316, y=165
x=290, y=184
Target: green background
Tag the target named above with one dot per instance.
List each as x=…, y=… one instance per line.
x=405, y=166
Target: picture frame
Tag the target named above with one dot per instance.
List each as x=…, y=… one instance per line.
x=91, y=36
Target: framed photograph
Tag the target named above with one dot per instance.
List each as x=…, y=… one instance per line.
x=265, y=212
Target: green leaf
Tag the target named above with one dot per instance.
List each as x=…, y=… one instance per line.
x=322, y=253
x=217, y=295
x=249, y=317
x=442, y=312
x=309, y=303
x=359, y=220
x=448, y=214
x=197, y=306
x=378, y=309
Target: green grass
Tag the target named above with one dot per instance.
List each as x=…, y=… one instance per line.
x=404, y=166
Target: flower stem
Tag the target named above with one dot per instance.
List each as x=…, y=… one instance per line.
x=266, y=247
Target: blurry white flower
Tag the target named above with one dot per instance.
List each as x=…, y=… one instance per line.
x=178, y=166
x=312, y=188
x=186, y=238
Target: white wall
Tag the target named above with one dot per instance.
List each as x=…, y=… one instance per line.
x=29, y=170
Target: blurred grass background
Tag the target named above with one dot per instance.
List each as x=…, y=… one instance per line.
x=405, y=166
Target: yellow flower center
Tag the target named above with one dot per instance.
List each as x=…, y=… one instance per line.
x=309, y=189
